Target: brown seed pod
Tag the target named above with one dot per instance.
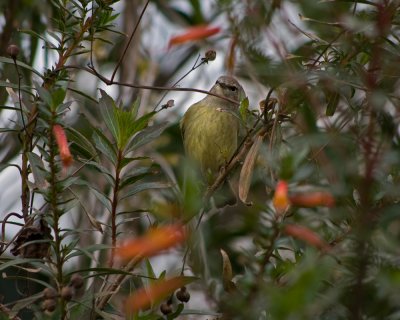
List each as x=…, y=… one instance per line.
x=49, y=305
x=13, y=51
x=210, y=55
x=67, y=293
x=50, y=293
x=183, y=295
x=166, y=308
x=76, y=281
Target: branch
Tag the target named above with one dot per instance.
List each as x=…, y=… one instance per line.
x=129, y=41
x=144, y=87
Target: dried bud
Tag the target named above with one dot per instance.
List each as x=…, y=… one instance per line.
x=76, y=281
x=183, y=295
x=262, y=105
x=166, y=308
x=267, y=105
x=210, y=55
x=50, y=293
x=13, y=51
x=67, y=293
x=49, y=305
x=169, y=104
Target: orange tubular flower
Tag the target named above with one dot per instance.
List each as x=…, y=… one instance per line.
x=143, y=298
x=153, y=242
x=313, y=199
x=281, y=199
x=306, y=235
x=194, y=33
x=62, y=142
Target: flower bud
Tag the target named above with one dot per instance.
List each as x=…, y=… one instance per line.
x=183, y=295
x=13, y=51
x=49, y=305
x=76, y=281
x=67, y=293
x=166, y=308
x=210, y=55
x=49, y=293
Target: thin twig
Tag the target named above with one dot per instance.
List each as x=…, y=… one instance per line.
x=129, y=41
x=194, y=67
x=108, y=292
x=19, y=97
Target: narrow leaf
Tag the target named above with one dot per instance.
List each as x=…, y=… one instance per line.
x=84, y=143
x=227, y=273
x=139, y=187
x=107, y=109
x=333, y=101
x=20, y=64
x=247, y=169
x=104, y=145
x=38, y=171
x=145, y=136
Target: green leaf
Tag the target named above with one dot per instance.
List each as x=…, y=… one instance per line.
x=107, y=108
x=20, y=64
x=150, y=270
x=139, y=187
x=83, y=94
x=145, y=136
x=127, y=160
x=104, y=145
x=135, y=108
x=137, y=174
x=142, y=122
x=83, y=143
x=38, y=171
x=100, y=196
x=15, y=86
x=57, y=97
x=44, y=94
x=16, y=262
x=69, y=181
x=333, y=100
x=107, y=174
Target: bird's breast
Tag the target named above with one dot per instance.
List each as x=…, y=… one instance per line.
x=210, y=137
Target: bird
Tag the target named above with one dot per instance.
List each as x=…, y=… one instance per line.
x=210, y=128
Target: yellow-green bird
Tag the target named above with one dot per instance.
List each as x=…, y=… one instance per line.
x=210, y=128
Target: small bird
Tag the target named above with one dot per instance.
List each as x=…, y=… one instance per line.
x=210, y=128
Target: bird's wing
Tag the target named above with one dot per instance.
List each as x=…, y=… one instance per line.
x=188, y=114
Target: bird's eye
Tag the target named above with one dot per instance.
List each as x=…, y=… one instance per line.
x=233, y=88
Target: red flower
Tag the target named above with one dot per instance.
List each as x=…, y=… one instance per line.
x=281, y=198
x=194, y=33
x=63, y=147
x=152, y=242
x=144, y=297
x=305, y=234
x=313, y=199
